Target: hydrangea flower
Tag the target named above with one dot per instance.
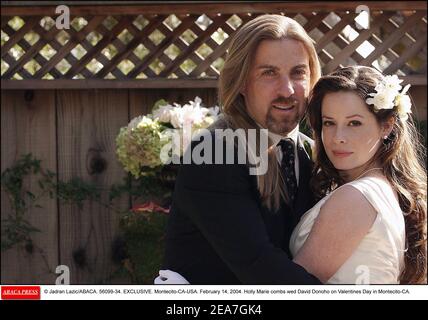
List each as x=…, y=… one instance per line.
x=140, y=143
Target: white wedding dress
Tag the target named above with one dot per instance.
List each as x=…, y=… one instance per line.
x=379, y=258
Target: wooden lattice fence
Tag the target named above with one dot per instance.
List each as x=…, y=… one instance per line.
x=124, y=45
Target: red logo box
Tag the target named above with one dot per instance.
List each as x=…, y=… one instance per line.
x=20, y=292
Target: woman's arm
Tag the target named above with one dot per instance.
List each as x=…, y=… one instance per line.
x=342, y=223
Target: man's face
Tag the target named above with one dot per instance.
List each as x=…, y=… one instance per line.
x=277, y=88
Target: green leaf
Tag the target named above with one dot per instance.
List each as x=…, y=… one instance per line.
x=159, y=103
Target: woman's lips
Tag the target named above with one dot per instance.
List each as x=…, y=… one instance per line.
x=342, y=154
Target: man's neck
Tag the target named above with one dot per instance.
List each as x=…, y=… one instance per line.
x=293, y=134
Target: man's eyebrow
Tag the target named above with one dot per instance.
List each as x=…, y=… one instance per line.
x=266, y=66
x=303, y=65
x=269, y=66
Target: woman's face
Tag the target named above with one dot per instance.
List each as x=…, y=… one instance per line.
x=350, y=133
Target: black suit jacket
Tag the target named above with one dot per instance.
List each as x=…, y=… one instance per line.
x=220, y=233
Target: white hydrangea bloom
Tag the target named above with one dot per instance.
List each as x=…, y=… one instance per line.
x=134, y=122
x=163, y=113
x=177, y=117
x=140, y=143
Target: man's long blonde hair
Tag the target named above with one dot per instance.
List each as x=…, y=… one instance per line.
x=235, y=74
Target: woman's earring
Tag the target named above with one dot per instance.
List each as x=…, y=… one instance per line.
x=385, y=142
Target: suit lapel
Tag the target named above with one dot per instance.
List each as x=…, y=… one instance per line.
x=304, y=199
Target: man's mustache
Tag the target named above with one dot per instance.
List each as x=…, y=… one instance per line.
x=286, y=101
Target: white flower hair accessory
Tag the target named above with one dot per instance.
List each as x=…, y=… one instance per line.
x=388, y=96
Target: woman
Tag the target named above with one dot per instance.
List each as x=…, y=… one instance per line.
x=370, y=227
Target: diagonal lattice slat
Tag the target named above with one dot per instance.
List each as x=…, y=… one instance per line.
x=78, y=37
x=193, y=46
x=217, y=22
x=352, y=46
x=166, y=42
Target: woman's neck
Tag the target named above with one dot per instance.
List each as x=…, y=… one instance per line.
x=355, y=173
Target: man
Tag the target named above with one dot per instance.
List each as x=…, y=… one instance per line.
x=227, y=226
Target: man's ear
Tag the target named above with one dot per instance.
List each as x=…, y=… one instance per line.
x=387, y=126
